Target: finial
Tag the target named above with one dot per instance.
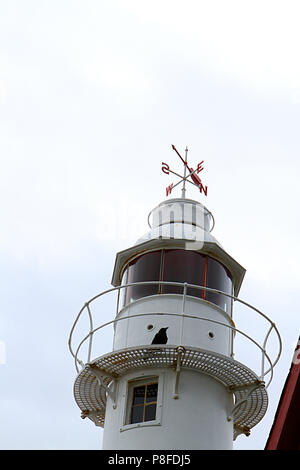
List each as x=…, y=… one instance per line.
x=193, y=174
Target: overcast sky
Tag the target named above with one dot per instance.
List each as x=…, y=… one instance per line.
x=92, y=95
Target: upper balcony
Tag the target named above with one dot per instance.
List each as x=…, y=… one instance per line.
x=240, y=351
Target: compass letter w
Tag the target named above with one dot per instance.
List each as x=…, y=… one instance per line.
x=169, y=189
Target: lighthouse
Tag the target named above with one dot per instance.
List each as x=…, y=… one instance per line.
x=172, y=379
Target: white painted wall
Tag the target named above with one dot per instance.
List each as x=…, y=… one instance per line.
x=133, y=330
x=196, y=420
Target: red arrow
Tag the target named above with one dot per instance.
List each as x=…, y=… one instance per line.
x=194, y=177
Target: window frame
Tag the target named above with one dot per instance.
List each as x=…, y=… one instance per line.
x=144, y=403
x=137, y=380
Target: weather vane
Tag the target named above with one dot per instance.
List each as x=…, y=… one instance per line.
x=193, y=174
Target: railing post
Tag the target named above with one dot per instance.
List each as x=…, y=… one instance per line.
x=183, y=311
x=117, y=311
x=91, y=332
x=118, y=300
x=231, y=349
x=264, y=351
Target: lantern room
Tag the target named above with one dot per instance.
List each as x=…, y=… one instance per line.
x=177, y=259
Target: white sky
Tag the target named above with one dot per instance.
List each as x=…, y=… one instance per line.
x=92, y=95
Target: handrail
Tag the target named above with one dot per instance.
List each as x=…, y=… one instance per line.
x=184, y=316
x=184, y=286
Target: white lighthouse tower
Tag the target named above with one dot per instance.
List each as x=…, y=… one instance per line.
x=172, y=379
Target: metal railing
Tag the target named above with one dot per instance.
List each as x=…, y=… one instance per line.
x=92, y=330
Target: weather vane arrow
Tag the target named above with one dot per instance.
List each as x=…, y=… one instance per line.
x=193, y=174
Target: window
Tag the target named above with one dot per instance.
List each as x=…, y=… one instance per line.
x=181, y=266
x=142, y=400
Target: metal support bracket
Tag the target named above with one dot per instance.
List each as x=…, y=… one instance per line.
x=93, y=415
x=111, y=387
x=180, y=350
x=241, y=430
x=249, y=388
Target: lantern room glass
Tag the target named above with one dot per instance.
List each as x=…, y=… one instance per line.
x=144, y=268
x=178, y=265
x=183, y=266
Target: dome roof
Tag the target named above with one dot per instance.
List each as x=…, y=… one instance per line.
x=180, y=223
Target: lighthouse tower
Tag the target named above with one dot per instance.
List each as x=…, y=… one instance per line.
x=171, y=379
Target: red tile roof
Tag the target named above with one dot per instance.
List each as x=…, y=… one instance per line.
x=285, y=431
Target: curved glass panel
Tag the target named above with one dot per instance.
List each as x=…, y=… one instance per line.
x=183, y=266
x=218, y=277
x=144, y=268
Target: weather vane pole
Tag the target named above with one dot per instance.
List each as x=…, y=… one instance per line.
x=193, y=174
x=185, y=163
